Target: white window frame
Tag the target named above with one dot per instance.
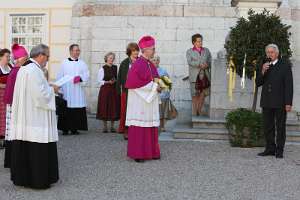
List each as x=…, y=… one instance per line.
x=45, y=38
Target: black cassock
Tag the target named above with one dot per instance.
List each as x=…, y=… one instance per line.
x=69, y=118
x=277, y=92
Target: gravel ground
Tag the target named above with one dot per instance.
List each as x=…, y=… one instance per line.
x=93, y=165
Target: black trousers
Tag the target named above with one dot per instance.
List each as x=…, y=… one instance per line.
x=274, y=118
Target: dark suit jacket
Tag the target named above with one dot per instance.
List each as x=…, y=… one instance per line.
x=122, y=74
x=277, y=85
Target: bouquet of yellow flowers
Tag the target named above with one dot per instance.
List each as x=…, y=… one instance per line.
x=164, y=82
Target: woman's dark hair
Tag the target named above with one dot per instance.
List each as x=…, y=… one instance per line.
x=195, y=36
x=72, y=46
x=3, y=52
x=132, y=47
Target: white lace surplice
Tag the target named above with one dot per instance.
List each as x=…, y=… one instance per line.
x=143, y=106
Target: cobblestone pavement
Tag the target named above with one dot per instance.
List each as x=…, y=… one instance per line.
x=93, y=165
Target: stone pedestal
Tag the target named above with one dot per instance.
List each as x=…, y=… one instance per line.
x=257, y=5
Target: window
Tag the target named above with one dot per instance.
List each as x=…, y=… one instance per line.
x=27, y=29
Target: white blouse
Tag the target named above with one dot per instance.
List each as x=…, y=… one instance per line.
x=5, y=69
x=101, y=76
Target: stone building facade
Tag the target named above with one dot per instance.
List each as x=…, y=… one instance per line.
x=102, y=26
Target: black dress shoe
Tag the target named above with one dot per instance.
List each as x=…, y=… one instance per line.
x=65, y=133
x=279, y=154
x=139, y=160
x=267, y=153
x=75, y=133
x=112, y=130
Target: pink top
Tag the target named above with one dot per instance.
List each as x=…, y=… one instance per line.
x=199, y=50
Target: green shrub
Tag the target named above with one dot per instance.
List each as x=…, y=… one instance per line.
x=245, y=128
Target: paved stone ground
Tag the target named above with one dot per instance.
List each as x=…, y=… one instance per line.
x=94, y=166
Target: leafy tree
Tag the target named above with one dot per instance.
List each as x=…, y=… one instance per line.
x=250, y=36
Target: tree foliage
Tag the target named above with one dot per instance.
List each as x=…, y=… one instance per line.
x=250, y=36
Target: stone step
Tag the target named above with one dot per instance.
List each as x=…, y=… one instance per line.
x=218, y=134
x=200, y=122
x=293, y=136
x=206, y=122
x=293, y=125
x=203, y=133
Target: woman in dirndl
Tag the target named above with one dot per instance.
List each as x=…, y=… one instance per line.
x=108, y=99
x=5, y=69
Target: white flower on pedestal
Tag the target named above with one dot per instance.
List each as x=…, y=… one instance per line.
x=285, y=4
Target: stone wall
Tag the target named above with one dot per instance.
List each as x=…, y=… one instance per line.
x=100, y=27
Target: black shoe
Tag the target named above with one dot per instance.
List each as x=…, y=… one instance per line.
x=139, y=160
x=125, y=138
x=105, y=131
x=267, y=153
x=65, y=132
x=75, y=133
x=112, y=130
x=279, y=155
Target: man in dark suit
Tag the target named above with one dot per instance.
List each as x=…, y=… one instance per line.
x=276, y=78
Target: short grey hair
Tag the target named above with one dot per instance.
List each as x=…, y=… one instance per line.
x=38, y=50
x=109, y=54
x=274, y=46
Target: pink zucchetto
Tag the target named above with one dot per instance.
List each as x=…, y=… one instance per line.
x=146, y=42
x=18, y=51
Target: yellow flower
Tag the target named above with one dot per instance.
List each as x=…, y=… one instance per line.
x=162, y=84
x=167, y=80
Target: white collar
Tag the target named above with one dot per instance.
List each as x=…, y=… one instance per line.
x=5, y=69
x=34, y=61
x=274, y=62
x=74, y=58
